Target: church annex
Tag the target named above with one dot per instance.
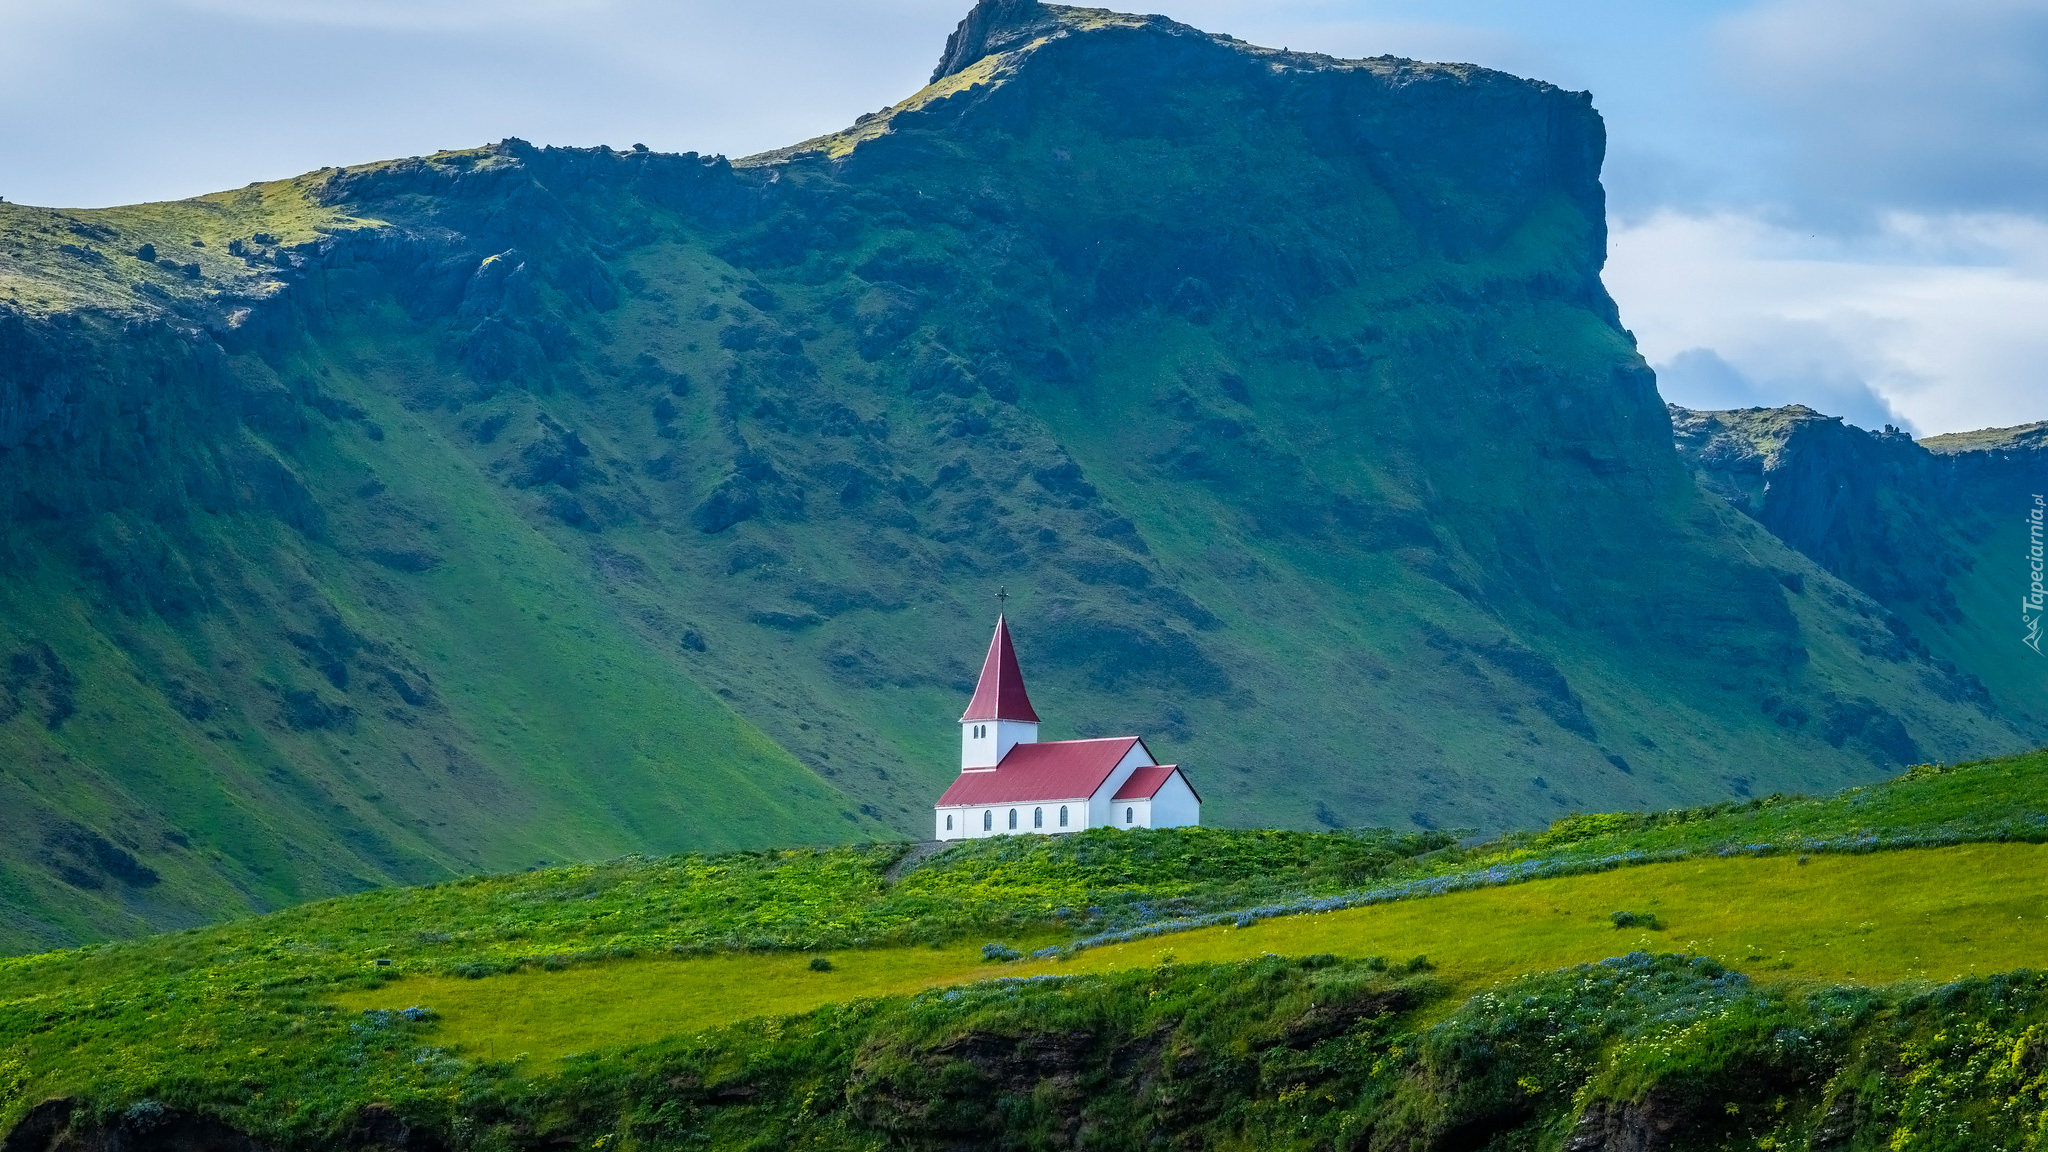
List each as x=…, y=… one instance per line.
x=1011, y=783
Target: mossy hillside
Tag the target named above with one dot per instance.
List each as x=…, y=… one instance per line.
x=247, y=983
x=57, y=261
x=1073, y=887
x=190, y=1021
x=1869, y=919
x=295, y=718
x=1295, y=480
x=1311, y=1053
x=1928, y=532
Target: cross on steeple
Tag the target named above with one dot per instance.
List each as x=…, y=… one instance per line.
x=1002, y=598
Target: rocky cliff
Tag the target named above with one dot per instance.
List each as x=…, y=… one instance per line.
x=1934, y=531
x=519, y=503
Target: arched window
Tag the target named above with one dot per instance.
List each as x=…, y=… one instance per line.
x=988, y=821
x=1127, y=815
x=949, y=821
x=1038, y=817
x=1063, y=815
x=1013, y=817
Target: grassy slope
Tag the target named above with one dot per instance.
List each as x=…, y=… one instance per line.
x=187, y=748
x=1936, y=915
x=179, y=1018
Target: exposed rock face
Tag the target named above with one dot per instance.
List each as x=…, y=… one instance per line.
x=1907, y=523
x=1874, y=508
x=1646, y=1126
x=993, y=26
x=57, y=1126
x=51, y=1127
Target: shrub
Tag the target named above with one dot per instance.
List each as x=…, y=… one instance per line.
x=820, y=964
x=1576, y=827
x=1637, y=920
x=995, y=953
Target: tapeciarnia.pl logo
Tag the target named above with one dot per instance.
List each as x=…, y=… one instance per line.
x=2035, y=602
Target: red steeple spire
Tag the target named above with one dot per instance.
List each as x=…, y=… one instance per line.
x=1000, y=694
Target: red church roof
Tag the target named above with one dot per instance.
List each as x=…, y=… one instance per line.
x=1145, y=783
x=1055, y=770
x=1000, y=694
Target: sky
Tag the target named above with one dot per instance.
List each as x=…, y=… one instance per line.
x=1840, y=203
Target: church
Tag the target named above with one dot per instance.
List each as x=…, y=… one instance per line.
x=1011, y=783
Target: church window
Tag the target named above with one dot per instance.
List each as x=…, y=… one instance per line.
x=949, y=821
x=988, y=821
x=1127, y=815
x=1013, y=817
x=1038, y=817
x=1063, y=815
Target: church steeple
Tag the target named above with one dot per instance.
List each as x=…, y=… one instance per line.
x=1000, y=693
x=1000, y=716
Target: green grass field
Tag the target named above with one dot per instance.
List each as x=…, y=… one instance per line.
x=283, y=1024
x=1932, y=915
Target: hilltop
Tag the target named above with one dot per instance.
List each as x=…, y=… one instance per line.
x=517, y=505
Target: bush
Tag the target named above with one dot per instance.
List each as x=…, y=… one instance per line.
x=1637, y=920
x=820, y=964
x=995, y=953
x=1586, y=826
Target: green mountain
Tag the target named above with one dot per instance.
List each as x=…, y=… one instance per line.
x=521, y=504
x=1938, y=533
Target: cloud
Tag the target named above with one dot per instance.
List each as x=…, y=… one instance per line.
x=1934, y=322
x=1699, y=378
x=1901, y=103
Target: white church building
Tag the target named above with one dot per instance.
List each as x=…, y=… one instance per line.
x=1011, y=783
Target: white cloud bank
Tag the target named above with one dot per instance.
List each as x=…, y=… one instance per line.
x=1939, y=323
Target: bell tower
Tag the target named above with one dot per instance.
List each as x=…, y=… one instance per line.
x=1000, y=716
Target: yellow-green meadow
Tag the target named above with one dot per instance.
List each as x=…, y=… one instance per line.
x=1932, y=914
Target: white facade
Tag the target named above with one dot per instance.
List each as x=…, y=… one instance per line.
x=1103, y=810
x=1040, y=817
x=984, y=743
x=1175, y=805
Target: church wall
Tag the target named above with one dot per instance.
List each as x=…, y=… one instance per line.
x=967, y=821
x=1175, y=804
x=1104, y=812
